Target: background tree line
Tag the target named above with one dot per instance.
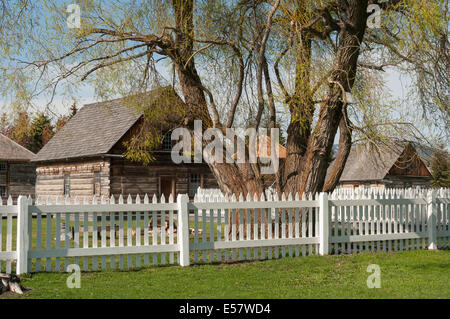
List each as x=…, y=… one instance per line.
x=34, y=130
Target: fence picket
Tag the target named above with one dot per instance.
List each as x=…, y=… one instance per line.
x=138, y=233
x=121, y=237
x=146, y=230
x=255, y=228
x=348, y=224
x=204, y=234
x=211, y=230
x=9, y=224
x=163, y=230
x=226, y=229
x=290, y=228
x=57, y=240
x=218, y=213
x=423, y=217
x=196, y=233
x=376, y=223
x=103, y=238
x=304, y=235
x=372, y=221
x=171, y=231
x=233, y=227
x=263, y=224
x=112, y=235
x=270, y=213
x=85, y=239
x=383, y=220
x=361, y=221
x=277, y=227
x=241, y=226
x=1, y=235
x=38, y=240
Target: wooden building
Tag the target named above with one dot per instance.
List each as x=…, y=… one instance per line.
x=85, y=158
x=394, y=167
x=17, y=173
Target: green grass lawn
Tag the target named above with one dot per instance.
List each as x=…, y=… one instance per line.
x=410, y=274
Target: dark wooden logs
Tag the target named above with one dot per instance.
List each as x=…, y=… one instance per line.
x=10, y=283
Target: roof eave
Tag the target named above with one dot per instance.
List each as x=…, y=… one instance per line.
x=66, y=159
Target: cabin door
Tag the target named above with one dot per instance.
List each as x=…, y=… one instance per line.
x=167, y=186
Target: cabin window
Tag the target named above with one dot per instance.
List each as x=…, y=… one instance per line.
x=167, y=142
x=66, y=185
x=3, y=167
x=3, y=192
x=194, y=184
x=97, y=184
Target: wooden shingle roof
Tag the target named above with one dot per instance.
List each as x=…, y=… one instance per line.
x=11, y=151
x=93, y=130
x=368, y=164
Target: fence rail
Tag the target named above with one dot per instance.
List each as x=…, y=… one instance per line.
x=126, y=233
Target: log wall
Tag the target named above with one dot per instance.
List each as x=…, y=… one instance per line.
x=117, y=177
x=85, y=177
x=133, y=178
x=19, y=179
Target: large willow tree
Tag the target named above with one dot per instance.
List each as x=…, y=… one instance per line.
x=240, y=62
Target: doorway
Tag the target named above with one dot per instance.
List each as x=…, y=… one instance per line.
x=167, y=186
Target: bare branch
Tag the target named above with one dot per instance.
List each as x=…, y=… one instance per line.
x=261, y=58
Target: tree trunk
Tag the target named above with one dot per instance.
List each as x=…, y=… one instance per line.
x=231, y=178
x=345, y=145
x=331, y=111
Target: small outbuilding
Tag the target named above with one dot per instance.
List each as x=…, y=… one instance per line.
x=17, y=172
x=398, y=166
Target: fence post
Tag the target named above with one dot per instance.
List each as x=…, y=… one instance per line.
x=323, y=224
x=22, y=235
x=183, y=229
x=431, y=219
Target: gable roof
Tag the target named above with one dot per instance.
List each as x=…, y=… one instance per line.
x=11, y=151
x=94, y=129
x=368, y=164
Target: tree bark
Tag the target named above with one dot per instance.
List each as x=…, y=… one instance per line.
x=232, y=178
x=345, y=145
x=313, y=175
x=301, y=108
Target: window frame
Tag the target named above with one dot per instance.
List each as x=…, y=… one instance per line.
x=5, y=194
x=97, y=181
x=193, y=190
x=3, y=166
x=66, y=189
x=167, y=139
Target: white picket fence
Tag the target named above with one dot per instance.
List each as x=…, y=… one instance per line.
x=109, y=233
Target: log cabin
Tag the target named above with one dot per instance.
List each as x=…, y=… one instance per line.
x=86, y=157
x=398, y=166
x=17, y=172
